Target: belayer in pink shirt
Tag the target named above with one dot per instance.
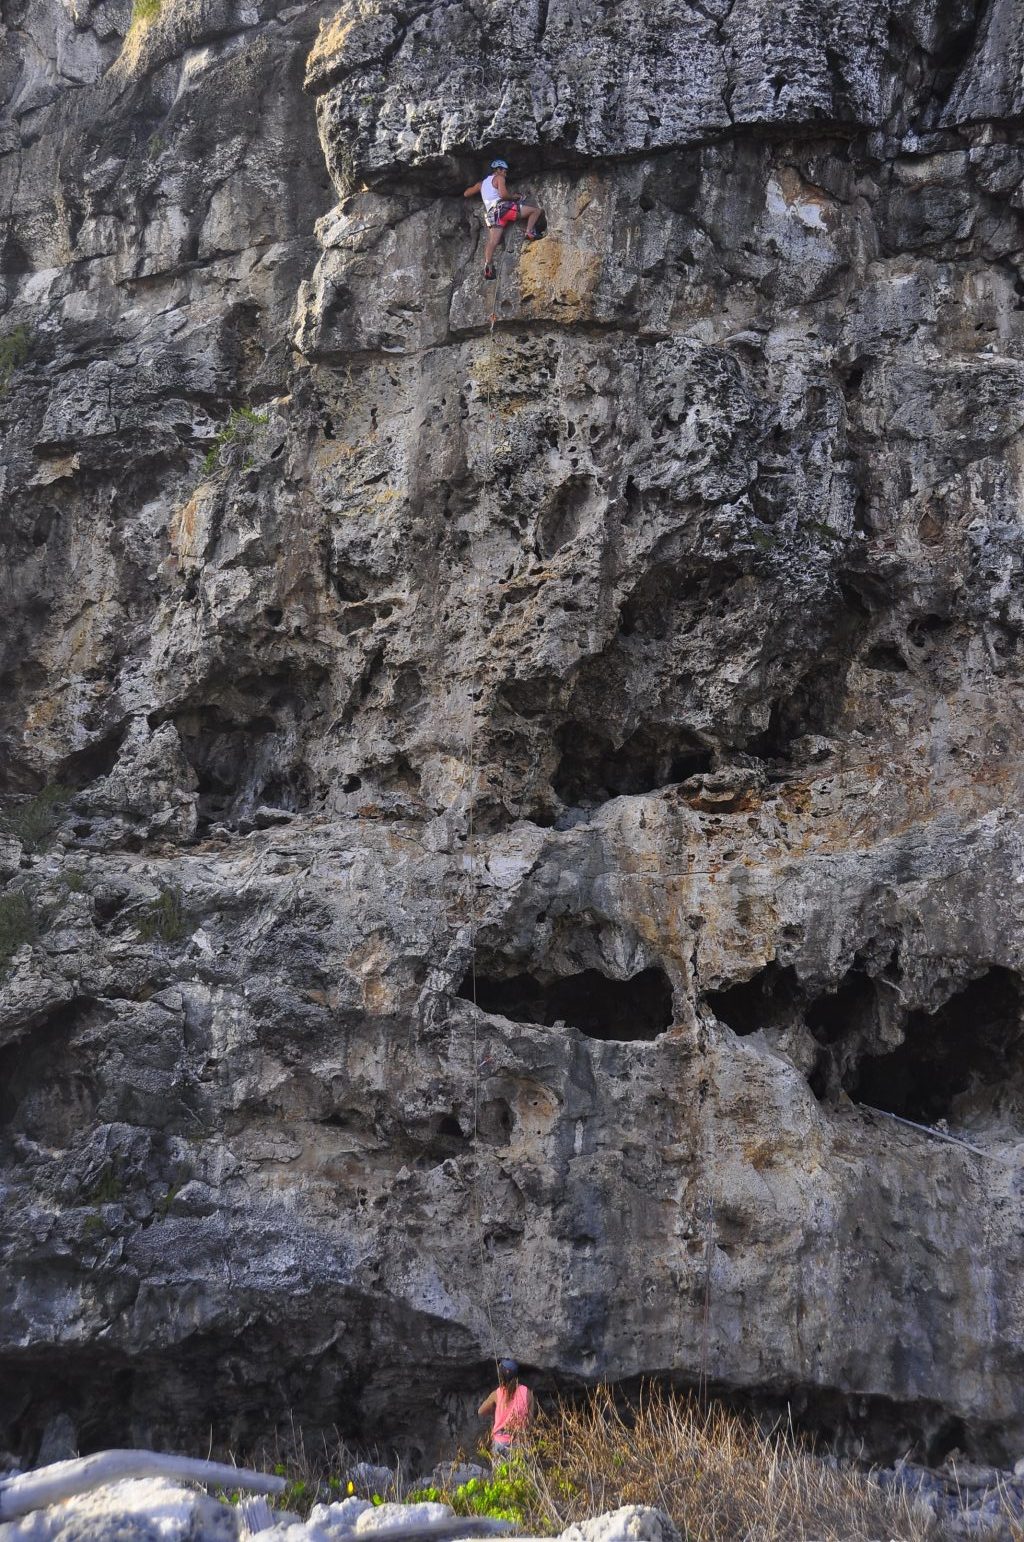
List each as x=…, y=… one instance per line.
x=514, y=1406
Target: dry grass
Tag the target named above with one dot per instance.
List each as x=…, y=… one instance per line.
x=719, y=1476
x=317, y=1471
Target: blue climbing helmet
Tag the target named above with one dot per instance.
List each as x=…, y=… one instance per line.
x=498, y=166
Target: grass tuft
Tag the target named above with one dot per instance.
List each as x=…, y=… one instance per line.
x=718, y=1474
x=145, y=12
x=164, y=919
x=34, y=822
x=241, y=424
x=17, y=924
x=108, y=1188
x=13, y=352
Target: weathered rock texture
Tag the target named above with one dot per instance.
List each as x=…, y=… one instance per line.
x=648, y=665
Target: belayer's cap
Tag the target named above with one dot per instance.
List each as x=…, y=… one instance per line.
x=498, y=166
x=510, y=1367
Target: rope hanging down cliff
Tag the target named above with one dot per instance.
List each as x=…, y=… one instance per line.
x=471, y=862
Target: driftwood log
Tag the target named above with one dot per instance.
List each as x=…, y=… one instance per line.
x=48, y=1485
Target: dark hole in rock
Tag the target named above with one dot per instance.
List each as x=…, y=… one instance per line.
x=45, y=1092
x=243, y=761
x=924, y=629
x=853, y=380
x=769, y=999
x=811, y=707
x=495, y=1122
x=669, y=595
x=886, y=657
x=350, y=585
x=852, y=1008
x=398, y=775
x=959, y=1059
x=108, y=901
x=96, y=760
x=43, y=526
x=16, y=258
x=273, y=615
x=631, y=497
x=592, y=769
x=858, y=598
x=619, y=1011
x=560, y=522
x=351, y=783
x=446, y=1128
x=527, y=698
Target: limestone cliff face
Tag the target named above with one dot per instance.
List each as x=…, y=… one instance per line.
x=645, y=667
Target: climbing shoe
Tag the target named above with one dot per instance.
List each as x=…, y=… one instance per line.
x=533, y=235
x=489, y=271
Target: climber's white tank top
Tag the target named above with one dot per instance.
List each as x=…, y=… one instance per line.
x=489, y=193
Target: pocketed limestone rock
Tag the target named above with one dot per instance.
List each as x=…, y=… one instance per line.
x=543, y=759
x=152, y=787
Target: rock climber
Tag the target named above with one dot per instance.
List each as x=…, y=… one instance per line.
x=502, y=209
x=514, y=1406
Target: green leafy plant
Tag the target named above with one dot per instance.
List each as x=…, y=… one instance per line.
x=241, y=424
x=510, y=1495
x=145, y=12
x=165, y=919
x=13, y=351
x=298, y=1496
x=17, y=924
x=34, y=822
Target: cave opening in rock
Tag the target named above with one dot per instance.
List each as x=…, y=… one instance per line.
x=771, y=998
x=958, y=1061
x=617, y=1011
x=243, y=761
x=592, y=769
x=960, y=1058
x=46, y=1092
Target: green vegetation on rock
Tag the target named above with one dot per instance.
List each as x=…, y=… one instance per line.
x=164, y=920
x=13, y=352
x=240, y=425
x=17, y=924
x=109, y=1188
x=34, y=822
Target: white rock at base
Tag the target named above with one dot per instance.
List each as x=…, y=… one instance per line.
x=342, y=1512
x=137, y=1510
x=632, y=1523
x=385, y=1517
x=156, y=1510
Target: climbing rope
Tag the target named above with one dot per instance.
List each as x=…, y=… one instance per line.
x=472, y=775
x=705, y=1332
